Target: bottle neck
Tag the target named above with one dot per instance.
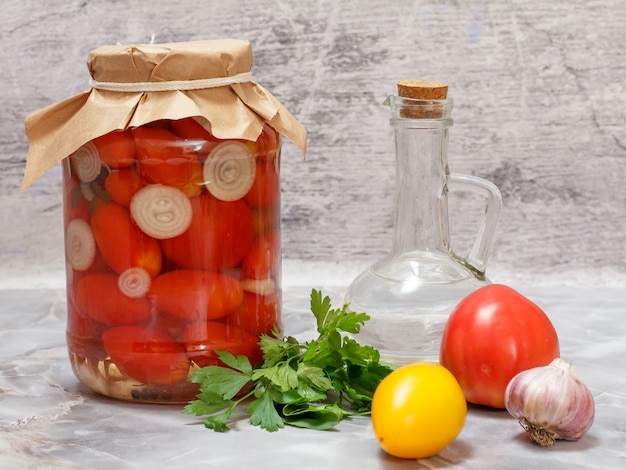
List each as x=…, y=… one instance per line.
x=421, y=209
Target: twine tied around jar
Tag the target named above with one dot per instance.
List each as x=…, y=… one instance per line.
x=211, y=80
x=199, y=84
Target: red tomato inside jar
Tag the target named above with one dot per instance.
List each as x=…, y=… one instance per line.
x=172, y=241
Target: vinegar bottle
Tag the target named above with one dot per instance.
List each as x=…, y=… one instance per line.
x=410, y=293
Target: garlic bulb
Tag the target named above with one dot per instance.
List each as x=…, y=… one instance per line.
x=551, y=403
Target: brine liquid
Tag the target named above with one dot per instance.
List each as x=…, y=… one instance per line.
x=409, y=300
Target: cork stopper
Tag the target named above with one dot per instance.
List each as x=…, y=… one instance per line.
x=421, y=90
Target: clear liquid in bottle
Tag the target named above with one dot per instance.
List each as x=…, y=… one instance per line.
x=411, y=297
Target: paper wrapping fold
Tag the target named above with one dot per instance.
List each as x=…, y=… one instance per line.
x=238, y=110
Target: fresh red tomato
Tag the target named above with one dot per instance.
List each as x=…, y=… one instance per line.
x=491, y=335
x=147, y=355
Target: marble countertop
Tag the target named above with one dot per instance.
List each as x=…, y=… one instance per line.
x=49, y=420
x=540, y=98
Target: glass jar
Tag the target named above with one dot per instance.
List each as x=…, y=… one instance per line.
x=171, y=182
x=173, y=252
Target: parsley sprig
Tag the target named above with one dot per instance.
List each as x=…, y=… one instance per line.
x=313, y=384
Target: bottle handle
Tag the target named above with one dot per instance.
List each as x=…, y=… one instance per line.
x=476, y=260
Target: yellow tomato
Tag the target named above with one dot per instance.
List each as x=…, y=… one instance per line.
x=417, y=410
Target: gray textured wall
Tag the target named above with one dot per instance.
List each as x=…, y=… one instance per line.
x=540, y=109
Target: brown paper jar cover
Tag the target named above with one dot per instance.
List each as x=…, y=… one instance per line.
x=236, y=110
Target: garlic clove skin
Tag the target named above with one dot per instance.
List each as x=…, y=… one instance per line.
x=551, y=403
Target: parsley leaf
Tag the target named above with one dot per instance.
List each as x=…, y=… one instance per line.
x=263, y=413
x=312, y=416
x=221, y=381
x=315, y=384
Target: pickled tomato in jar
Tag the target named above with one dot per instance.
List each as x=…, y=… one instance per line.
x=172, y=240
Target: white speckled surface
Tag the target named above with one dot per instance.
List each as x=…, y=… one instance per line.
x=540, y=93
x=49, y=420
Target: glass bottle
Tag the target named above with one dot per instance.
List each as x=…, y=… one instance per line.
x=410, y=293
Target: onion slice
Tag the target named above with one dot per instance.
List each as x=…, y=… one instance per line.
x=265, y=286
x=80, y=244
x=161, y=211
x=87, y=191
x=134, y=282
x=229, y=171
x=86, y=163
